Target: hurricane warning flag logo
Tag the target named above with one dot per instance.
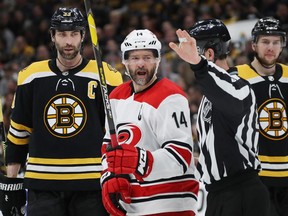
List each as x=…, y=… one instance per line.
x=65, y=115
x=273, y=119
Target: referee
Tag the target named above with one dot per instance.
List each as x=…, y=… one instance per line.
x=227, y=125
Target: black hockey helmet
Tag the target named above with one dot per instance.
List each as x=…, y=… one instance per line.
x=268, y=26
x=211, y=33
x=68, y=19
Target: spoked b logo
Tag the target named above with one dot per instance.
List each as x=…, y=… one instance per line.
x=65, y=115
x=273, y=119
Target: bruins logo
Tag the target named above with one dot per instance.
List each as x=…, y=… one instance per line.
x=273, y=119
x=65, y=116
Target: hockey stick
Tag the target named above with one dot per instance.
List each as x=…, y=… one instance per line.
x=2, y=126
x=3, y=137
x=104, y=89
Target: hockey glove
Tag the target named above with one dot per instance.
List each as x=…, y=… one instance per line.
x=127, y=159
x=12, y=196
x=115, y=188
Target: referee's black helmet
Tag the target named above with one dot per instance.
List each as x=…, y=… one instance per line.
x=68, y=19
x=211, y=33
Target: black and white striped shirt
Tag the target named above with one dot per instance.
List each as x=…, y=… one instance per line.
x=227, y=124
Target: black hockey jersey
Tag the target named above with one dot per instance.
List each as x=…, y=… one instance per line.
x=59, y=120
x=226, y=124
x=272, y=101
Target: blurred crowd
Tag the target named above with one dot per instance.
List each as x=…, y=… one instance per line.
x=24, y=34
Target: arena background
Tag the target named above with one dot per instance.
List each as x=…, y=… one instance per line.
x=24, y=37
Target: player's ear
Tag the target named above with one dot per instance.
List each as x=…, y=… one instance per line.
x=52, y=36
x=253, y=45
x=209, y=54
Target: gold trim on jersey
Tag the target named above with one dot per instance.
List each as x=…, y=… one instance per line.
x=285, y=70
x=274, y=166
x=273, y=159
x=18, y=133
x=35, y=70
x=18, y=141
x=273, y=173
x=61, y=161
x=63, y=168
x=62, y=176
x=20, y=127
x=41, y=69
x=113, y=77
x=246, y=72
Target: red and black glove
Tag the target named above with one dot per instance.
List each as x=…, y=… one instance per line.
x=127, y=159
x=115, y=188
x=12, y=196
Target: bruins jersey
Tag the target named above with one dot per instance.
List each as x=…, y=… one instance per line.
x=272, y=100
x=58, y=119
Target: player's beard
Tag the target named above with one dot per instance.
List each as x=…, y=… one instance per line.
x=68, y=55
x=142, y=80
x=264, y=62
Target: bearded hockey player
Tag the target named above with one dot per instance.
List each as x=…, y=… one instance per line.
x=152, y=169
x=58, y=122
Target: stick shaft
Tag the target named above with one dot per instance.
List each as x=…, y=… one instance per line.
x=103, y=84
x=2, y=126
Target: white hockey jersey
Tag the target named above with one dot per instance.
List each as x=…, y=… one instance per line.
x=157, y=119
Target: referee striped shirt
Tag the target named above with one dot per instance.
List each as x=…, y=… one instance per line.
x=227, y=124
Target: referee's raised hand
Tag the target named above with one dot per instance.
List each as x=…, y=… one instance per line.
x=187, y=49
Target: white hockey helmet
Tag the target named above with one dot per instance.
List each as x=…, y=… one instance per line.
x=138, y=40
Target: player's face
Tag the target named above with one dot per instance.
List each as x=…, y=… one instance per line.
x=141, y=65
x=268, y=49
x=68, y=43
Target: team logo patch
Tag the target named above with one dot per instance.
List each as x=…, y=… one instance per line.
x=129, y=134
x=273, y=119
x=65, y=115
x=207, y=111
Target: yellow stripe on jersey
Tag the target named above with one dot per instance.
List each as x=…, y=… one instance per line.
x=18, y=141
x=67, y=161
x=36, y=69
x=113, y=77
x=246, y=72
x=20, y=127
x=61, y=176
x=273, y=173
x=285, y=70
x=273, y=159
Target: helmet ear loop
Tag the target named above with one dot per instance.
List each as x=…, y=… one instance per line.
x=127, y=73
x=157, y=65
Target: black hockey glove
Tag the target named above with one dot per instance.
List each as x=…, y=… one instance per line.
x=12, y=196
x=115, y=188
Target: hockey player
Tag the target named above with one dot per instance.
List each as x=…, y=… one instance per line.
x=152, y=169
x=58, y=120
x=269, y=80
x=227, y=125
